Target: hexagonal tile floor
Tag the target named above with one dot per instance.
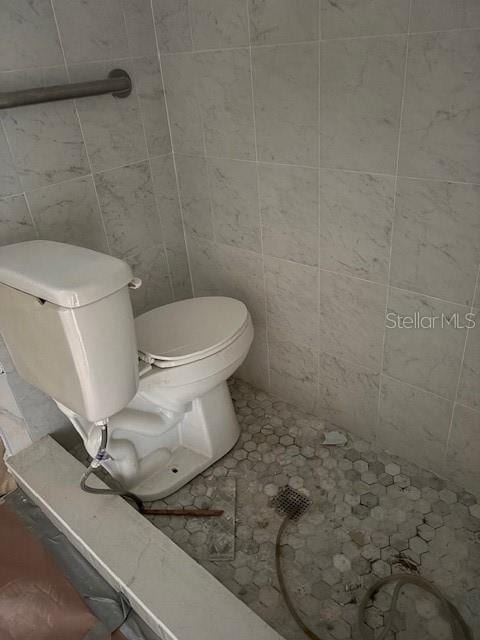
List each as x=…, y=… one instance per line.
x=372, y=514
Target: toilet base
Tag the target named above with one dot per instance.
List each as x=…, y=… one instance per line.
x=205, y=433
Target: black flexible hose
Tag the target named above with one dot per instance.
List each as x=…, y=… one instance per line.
x=453, y=616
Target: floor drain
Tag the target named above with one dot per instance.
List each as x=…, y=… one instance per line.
x=290, y=503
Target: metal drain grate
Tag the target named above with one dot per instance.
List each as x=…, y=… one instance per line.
x=290, y=503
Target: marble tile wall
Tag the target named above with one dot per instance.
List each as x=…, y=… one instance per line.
x=96, y=172
x=328, y=167
x=327, y=161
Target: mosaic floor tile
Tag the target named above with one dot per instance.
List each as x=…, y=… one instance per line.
x=371, y=515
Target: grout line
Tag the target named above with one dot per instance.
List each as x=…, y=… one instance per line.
x=29, y=208
x=147, y=152
x=174, y=162
x=291, y=43
x=414, y=386
x=70, y=64
x=85, y=175
x=190, y=28
x=400, y=33
x=460, y=371
x=247, y=46
x=337, y=169
x=429, y=297
x=204, y=141
x=397, y=158
x=260, y=219
x=260, y=162
x=77, y=115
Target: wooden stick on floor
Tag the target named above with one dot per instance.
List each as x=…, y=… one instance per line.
x=189, y=513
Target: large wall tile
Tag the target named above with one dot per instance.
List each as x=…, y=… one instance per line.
x=361, y=94
x=441, y=125
x=439, y=15
x=112, y=127
x=40, y=412
x=172, y=24
x=149, y=88
x=430, y=356
x=205, y=265
x=225, y=103
x=242, y=277
x=352, y=316
x=15, y=221
x=356, y=213
x=294, y=374
x=292, y=302
x=234, y=203
x=180, y=76
x=69, y=212
x=463, y=451
x=218, y=24
x=166, y=196
x=179, y=270
x=28, y=35
x=45, y=139
x=286, y=103
x=436, y=241
x=140, y=28
x=150, y=265
x=255, y=367
x=168, y=205
x=469, y=387
x=195, y=195
x=210, y=101
x=128, y=208
x=91, y=30
x=348, y=396
x=413, y=423
x=228, y=271
x=276, y=21
x=351, y=18
x=9, y=182
x=289, y=209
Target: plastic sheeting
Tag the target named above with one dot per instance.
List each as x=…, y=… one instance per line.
x=105, y=603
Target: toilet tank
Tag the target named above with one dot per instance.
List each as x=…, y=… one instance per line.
x=66, y=318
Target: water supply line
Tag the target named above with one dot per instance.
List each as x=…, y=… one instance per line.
x=102, y=454
x=460, y=629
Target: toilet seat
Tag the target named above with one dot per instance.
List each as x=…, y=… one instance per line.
x=189, y=330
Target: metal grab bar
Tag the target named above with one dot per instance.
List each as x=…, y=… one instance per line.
x=118, y=83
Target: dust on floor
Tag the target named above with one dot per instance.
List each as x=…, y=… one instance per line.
x=372, y=515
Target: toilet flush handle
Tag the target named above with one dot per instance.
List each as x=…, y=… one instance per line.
x=135, y=283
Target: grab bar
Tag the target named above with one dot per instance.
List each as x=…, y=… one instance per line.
x=118, y=83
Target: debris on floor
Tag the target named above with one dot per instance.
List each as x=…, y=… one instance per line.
x=212, y=538
x=335, y=439
x=372, y=515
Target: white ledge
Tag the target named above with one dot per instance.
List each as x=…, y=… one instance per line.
x=173, y=594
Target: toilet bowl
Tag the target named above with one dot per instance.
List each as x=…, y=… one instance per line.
x=148, y=396
x=181, y=419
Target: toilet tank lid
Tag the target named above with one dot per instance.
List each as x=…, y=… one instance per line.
x=63, y=274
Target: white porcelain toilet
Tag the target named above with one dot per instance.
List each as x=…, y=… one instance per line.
x=159, y=380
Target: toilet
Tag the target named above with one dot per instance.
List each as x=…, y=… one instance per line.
x=158, y=381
